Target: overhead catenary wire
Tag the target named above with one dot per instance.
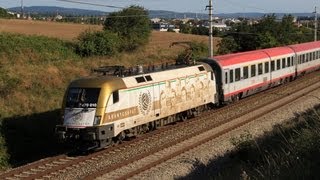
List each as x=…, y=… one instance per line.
x=93, y=4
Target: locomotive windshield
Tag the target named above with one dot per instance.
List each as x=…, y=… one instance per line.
x=82, y=97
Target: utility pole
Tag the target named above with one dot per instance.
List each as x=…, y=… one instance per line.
x=210, y=8
x=315, y=23
x=22, y=12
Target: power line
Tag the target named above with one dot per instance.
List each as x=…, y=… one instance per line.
x=93, y=4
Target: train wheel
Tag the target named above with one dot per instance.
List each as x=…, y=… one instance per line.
x=119, y=138
x=183, y=116
x=235, y=98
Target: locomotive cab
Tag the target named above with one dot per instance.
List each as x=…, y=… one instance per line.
x=80, y=107
x=83, y=110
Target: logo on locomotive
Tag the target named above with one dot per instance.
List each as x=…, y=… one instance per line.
x=145, y=102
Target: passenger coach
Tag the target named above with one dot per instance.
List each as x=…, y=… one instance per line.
x=246, y=73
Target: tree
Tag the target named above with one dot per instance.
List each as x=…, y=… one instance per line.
x=200, y=30
x=245, y=36
x=132, y=25
x=266, y=40
x=4, y=13
x=185, y=28
x=227, y=45
x=287, y=33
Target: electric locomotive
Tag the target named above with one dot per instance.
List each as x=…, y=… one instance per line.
x=101, y=110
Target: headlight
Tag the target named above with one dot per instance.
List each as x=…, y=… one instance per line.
x=97, y=120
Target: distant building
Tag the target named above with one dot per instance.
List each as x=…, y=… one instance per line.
x=219, y=26
x=164, y=27
x=58, y=17
x=155, y=20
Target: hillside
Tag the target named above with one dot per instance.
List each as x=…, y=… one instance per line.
x=52, y=10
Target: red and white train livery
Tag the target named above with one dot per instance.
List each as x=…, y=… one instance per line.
x=241, y=74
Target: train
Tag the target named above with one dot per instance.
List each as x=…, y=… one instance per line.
x=102, y=110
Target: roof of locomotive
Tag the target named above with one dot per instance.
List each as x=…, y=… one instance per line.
x=97, y=81
x=249, y=56
x=117, y=82
x=168, y=74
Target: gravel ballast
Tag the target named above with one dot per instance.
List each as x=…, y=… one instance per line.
x=184, y=164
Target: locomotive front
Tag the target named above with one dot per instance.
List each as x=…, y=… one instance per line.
x=83, y=109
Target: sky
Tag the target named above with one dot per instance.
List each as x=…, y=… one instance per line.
x=196, y=6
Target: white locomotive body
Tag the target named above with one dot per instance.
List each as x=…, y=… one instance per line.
x=101, y=109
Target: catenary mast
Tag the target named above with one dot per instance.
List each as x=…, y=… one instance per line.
x=210, y=8
x=315, y=23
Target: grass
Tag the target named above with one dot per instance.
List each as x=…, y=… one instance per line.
x=290, y=151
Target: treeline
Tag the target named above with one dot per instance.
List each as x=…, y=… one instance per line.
x=4, y=13
x=266, y=33
x=95, y=20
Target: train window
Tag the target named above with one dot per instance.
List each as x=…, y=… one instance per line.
x=266, y=67
x=278, y=64
x=313, y=56
x=148, y=78
x=115, y=96
x=303, y=58
x=310, y=56
x=140, y=79
x=253, y=70
x=201, y=68
x=82, y=97
x=226, y=77
x=283, y=62
x=260, y=69
x=272, y=66
x=307, y=57
x=245, y=72
x=288, y=62
x=300, y=59
x=231, y=76
x=292, y=61
x=237, y=74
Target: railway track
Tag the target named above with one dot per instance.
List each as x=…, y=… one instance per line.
x=128, y=159
x=152, y=159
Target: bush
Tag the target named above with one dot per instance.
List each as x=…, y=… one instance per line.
x=102, y=43
x=195, y=51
